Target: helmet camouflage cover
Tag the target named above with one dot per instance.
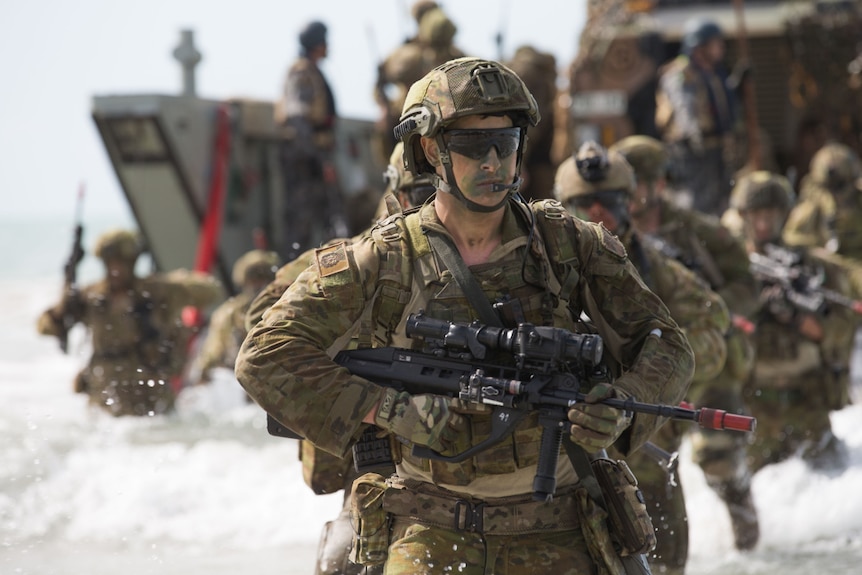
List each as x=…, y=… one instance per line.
x=647, y=156
x=122, y=245
x=256, y=265
x=397, y=179
x=762, y=189
x=835, y=167
x=459, y=88
x=593, y=170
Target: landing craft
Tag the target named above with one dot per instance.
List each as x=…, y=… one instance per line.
x=805, y=60
x=203, y=177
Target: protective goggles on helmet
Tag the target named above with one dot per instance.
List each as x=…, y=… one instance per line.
x=475, y=144
x=609, y=199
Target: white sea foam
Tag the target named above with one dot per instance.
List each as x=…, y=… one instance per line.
x=207, y=491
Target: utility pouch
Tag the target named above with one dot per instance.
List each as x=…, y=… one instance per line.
x=371, y=452
x=369, y=520
x=322, y=471
x=628, y=519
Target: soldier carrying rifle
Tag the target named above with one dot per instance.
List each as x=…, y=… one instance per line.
x=804, y=333
x=475, y=245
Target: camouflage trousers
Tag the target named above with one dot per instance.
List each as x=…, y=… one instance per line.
x=123, y=388
x=791, y=421
x=511, y=536
x=421, y=549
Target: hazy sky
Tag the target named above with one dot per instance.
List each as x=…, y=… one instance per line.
x=55, y=55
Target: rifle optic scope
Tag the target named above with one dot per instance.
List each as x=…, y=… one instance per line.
x=532, y=342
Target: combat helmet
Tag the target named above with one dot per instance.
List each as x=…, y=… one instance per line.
x=647, y=156
x=420, y=8
x=123, y=245
x=456, y=89
x=593, y=171
x=835, y=167
x=436, y=29
x=596, y=175
x=697, y=32
x=762, y=189
x=417, y=187
x=255, y=266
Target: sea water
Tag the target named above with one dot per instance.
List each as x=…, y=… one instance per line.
x=206, y=491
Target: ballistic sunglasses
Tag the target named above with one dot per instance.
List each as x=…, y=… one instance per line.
x=609, y=199
x=475, y=144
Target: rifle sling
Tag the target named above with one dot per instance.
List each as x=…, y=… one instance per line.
x=465, y=278
x=577, y=455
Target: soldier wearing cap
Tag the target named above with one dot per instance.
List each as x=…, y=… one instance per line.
x=829, y=211
x=695, y=114
x=226, y=330
x=138, y=337
x=464, y=124
x=598, y=186
x=706, y=247
x=313, y=207
x=801, y=354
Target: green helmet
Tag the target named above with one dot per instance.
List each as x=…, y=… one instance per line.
x=255, y=266
x=835, y=167
x=435, y=28
x=593, y=170
x=647, y=156
x=121, y=245
x=396, y=178
x=453, y=90
x=762, y=189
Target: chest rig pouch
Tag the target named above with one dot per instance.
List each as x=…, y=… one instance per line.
x=539, y=288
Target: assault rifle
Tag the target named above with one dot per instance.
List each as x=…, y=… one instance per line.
x=70, y=272
x=548, y=367
x=801, y=285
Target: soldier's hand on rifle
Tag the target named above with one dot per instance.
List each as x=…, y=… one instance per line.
x=423, y=419
x=810, y=327
x=596, y=426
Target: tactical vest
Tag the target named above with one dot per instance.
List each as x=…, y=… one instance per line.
x=411, y=278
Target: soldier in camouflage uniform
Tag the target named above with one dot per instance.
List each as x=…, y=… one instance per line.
x=829, y=212
x=598, y=187
x=464, y=125
x=539, y=72
x=695, y=113
x=136, y=328
x=703, y=245
x=323, y=472
x=801, y=356
x=226, y=330
x=432, y=45
x=307, y=112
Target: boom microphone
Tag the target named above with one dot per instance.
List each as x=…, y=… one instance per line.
x=507, y=187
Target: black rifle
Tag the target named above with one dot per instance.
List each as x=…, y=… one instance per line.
x=70, y=273
x=800, y=285
x=548, y=367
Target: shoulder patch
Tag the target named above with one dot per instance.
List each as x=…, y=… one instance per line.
x=332, y=259
x=610, y=242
